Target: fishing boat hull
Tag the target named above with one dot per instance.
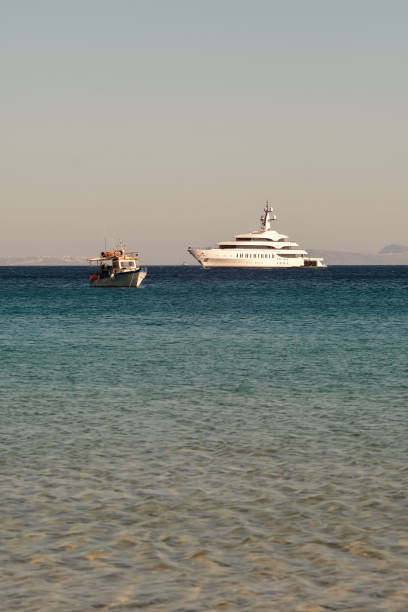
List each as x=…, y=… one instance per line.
x=123, y=279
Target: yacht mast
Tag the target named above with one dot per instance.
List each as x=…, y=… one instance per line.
x=267, y=218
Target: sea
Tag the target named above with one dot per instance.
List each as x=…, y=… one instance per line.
x=226, y=440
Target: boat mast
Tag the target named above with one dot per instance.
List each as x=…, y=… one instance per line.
x=267, y=217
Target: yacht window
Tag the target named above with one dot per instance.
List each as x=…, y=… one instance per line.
x=127, y=264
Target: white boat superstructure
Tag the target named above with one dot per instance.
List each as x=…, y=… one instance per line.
x=264, y=248
x=117, y=268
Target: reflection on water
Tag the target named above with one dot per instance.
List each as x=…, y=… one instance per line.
x=213, y=442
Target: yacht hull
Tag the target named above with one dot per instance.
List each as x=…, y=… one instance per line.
x=217, y=258
x=122, y=279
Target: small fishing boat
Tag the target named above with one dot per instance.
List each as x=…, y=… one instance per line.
x=117, y=268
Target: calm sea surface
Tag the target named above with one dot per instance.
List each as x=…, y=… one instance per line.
x=217, y=440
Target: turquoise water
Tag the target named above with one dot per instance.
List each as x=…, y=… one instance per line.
x=220, y=440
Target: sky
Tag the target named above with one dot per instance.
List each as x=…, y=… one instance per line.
x=169, y=123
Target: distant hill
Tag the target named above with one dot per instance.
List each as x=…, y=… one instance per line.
x=45, y=260
x=343, y=258
x=394, y=249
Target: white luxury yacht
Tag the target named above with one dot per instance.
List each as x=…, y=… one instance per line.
x=264, y=248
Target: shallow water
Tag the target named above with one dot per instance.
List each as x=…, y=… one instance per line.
x=217, y=440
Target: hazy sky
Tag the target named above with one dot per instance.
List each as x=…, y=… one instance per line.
x=169, y=123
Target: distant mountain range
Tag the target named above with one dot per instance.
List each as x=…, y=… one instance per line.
x=45, y=260
x=394, y=249
x=392, y=255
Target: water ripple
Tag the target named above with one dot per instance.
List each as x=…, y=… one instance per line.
x=188, y=460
